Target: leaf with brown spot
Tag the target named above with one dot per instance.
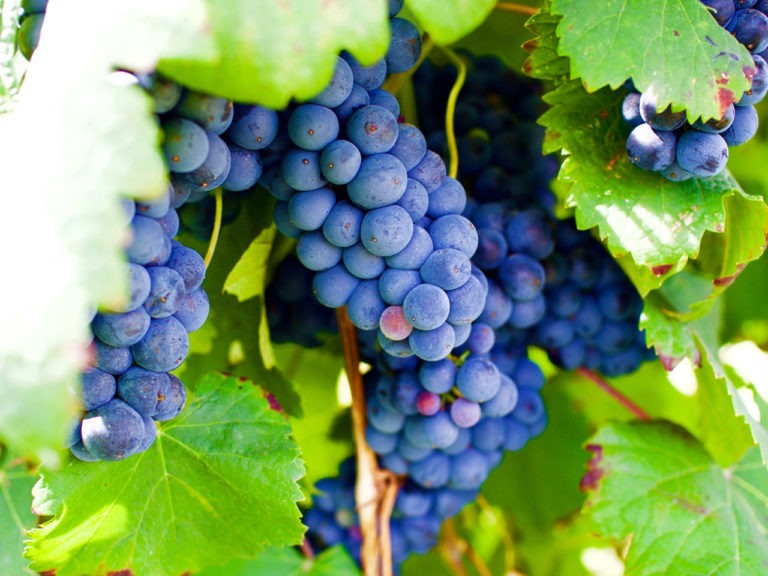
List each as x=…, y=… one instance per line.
x=682, y=510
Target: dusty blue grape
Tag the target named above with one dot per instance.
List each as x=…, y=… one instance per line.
x=110, y=359
x=342, y=225
x=164, y=347
x=404, y=47
x=454, y=231
x=410, y=146
x=121, y=330
x=386, y=231
x=96, y=387
x=166, y=292
x=433, y=345
x=339, y=87
x=142, y=389
x=446, y=268
x=743, y=128
x=340, y=161
x=430, y=171
x=395, y=284
x=365, y=305
x=373, y=129
x=750, y=27
x=521, y=277
x=215, y=169
x=385, y=99
x=665, y=120
x=426, y=307
x=173, y=402
x=312, y=127
x=361, y=263
x=301, y=170
x=381, y=181
x=212, y=113
x=245, y=169
x=357, y=98
x=334, y=286
x=448, y=198
x=702, y=154
x=194, y=310
x=316, y=253
x=478, y=379
x=149, y=244
x=651, y=150
x=112, y=431
x=415, y=253
x=308, y=210
x=185, y=146
x=253, y=127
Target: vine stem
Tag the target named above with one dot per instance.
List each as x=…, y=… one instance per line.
x=306, y=549
x=603, y=384
x=516, y=8
x=216, y=227
x=375, y=489
x=450, y=110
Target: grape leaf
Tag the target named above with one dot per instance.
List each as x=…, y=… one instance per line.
x=67, y=160
x=724, y=432
x=270, y=52
x=758, y=425
x=334, y=561
x=657, y=222
x=654, y=481
x=500, y=24
x=16, y=517
x=236, y=337
x=673, y=47
x=447, y=21
x=545, y=61
x=218, y=483
x=248, y=277
x=9, y=73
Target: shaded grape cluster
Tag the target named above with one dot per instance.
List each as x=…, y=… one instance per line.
x=663, y=141
x=128, y=385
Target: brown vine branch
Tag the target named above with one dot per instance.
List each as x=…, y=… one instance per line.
x=516, y=8
x=306, y=549
x=375, y=490
x=603, y=384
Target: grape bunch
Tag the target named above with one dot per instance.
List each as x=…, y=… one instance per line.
x=128, y=385
x=375, y=216
x=663, y=141
x=414, y=525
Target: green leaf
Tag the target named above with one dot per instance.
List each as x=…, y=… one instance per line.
x=16, y=517
x=9, y=73
x=270, y=52
x=248, y=277
x=654, y=481
x=500, y=24
x=334, y=561
x=315, y=373
x=235, y=338
x=448, y=20
x=545, y=61
x=723, y=432
x=218, y=483
x=758, y=424
x=67, y=161
x=673, y=47
x=658, y=223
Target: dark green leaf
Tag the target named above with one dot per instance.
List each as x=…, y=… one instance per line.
x=673, y=47
x=218, y=483
x=654, y=481
x=270, y=52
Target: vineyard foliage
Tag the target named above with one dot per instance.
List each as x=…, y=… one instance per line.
x=663, y=471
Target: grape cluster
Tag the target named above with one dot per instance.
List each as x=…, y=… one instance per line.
x=663, y=141
x=414, y=525
x=445, y=424
x=375, y=216
x=127, y=386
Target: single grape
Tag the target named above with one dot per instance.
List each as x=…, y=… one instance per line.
x=112, y=431
x=702, y=154
x=163, y=347
x=186, y=145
